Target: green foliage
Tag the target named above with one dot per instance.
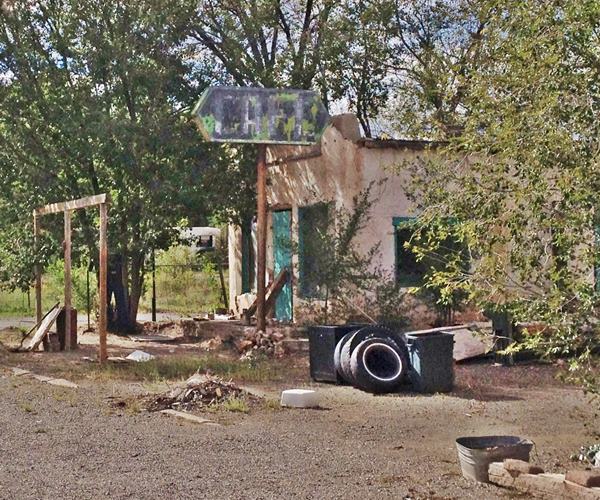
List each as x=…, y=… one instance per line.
x=53, y=287
x=95, y=102
x=433, y=53
x=237, y=405
x=339, y=48
x=266, y=42
x=356, y=60
x=347, y=276
x=444, y=256
x=522, y=181
x=186, y=283
x=17, y=303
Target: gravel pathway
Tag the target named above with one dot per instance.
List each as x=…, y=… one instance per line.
x=70, y=443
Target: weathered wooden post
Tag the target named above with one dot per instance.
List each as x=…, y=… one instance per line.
x=261, y=116
x=68, y=297
x=103, y=275
x=153, y=285
x=261, y=226
x=38, y=269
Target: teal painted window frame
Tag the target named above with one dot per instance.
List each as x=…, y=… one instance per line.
x=403, y=281
x=307, y=289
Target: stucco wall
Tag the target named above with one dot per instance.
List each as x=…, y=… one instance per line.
x=338, y=171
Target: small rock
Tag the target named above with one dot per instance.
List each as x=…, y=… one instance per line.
x=117, y=359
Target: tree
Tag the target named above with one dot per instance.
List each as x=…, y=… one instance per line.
x=355, y=66
x=433, y=49
x=266, y=42
x=334, y=46
x=93, y=99
x=522, y=180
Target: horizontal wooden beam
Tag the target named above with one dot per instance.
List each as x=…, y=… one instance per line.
x=55, y=208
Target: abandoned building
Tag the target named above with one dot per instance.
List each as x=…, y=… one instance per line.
x=303, y=183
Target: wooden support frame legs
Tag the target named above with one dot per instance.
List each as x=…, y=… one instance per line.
x=67, y=207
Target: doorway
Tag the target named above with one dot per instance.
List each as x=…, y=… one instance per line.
x=282, y=256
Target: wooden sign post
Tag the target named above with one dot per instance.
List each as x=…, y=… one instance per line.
x=261, y=116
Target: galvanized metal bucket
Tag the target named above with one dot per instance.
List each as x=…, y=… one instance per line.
x=477, y=453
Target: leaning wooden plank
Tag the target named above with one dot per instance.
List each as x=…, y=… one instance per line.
x=42, y=331
x=271, y=293
x=36, y=326
x=275, y=290
x=54, y=208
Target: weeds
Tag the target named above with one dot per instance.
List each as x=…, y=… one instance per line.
x=181, y=367
x=272, y=404
x=65, y=397
x=235, y=405
x=27, y=408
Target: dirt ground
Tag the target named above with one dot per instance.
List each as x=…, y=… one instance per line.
x=76, y=443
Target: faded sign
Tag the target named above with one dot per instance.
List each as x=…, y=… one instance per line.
x=257, y=115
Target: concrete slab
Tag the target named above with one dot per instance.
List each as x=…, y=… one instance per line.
x=20, y=372
x=194, y=419
x=61, y=382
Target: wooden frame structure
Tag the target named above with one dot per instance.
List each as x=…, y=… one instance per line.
x=67, y=207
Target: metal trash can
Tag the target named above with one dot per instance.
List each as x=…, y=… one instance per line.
x=432, y=365
x=322, y=342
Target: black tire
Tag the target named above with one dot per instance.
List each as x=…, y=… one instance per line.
x=379, y=365
x=337, y=354
x=345, y=358
x=373, y=331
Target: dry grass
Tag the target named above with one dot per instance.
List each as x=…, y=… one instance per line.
x=10, y=338
x=181, y=367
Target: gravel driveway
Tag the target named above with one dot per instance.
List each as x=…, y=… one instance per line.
x=70, y=443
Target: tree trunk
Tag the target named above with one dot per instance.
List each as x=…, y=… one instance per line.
x=118, y=315
x=137, y=284
x=125, y=284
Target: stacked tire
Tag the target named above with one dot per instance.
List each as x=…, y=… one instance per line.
x=373, y=359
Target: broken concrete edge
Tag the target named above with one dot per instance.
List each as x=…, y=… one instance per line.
x=541, y=483
x=19, y=372
x=61, y=382
x=190, y=417
x=587, y=478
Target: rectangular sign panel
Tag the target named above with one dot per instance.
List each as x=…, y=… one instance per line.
x=260, y=116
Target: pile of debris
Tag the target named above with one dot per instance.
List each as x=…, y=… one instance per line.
x=256, y=343
x=197, y=394
x=590, y=455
